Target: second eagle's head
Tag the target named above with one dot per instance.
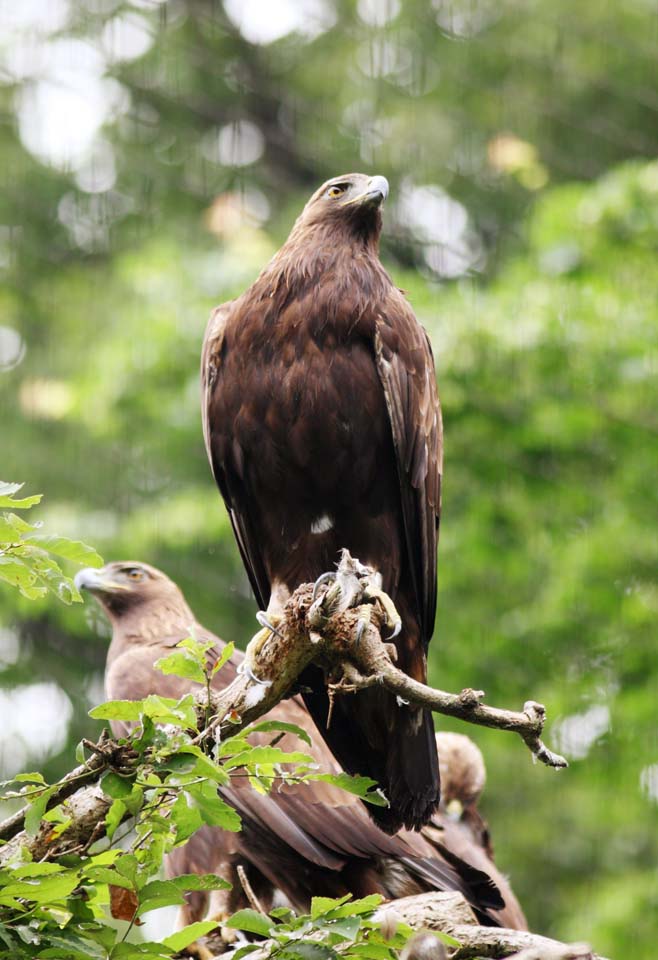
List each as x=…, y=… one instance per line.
x=132, y=591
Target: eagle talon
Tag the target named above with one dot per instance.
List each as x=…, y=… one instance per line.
x=265, y=621
x=361, y=626
x=246, y=669
x=323, y=578
x=256, y=644
x=396, y=630
x=391, y=616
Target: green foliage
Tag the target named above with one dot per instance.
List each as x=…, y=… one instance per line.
x=335, y=928
x=171, y=790
x=27, y=558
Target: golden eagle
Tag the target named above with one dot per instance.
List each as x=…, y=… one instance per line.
x=323, y=429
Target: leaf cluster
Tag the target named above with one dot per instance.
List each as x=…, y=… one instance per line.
x=62, y=905
x=28, y=557
x=334, y=928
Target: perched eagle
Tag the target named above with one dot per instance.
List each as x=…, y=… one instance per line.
x=323, y=429
x=301, y=840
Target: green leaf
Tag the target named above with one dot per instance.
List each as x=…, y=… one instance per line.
x=250, y=921
x=356, y=907
x=307, y=950
x=254, y=756
x=346, y=927
x=161, y=709
x=28, y=778
x=134, y=800
x=42, y=890
x=7, y=491
x=183, y=938
x=179, y=713
x=197, y=648
x=100, y=874
x=362, y=787
x=128, y=866
x=192, y=758
x=137, y=951
x=158, y=893
x=35, y=812
x=372, y=951
x=265, y=726
x=15, y=571
x=245, y=951
x=200, y=881
x=213, y=810
x=33, y=870
x=12, y=527
x=128, y=710
x=322, y=905
x=184, y=818
x=67, y=945
x=224, y=657
x=283, y=913
x=49, y=572
x=73, y=550
x=114, y=817
x=181, y=665
x=115, y=786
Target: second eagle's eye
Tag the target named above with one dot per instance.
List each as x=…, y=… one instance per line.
x=335, y=191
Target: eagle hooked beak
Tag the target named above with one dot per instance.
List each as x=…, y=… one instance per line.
x=97, y=581
x=374, y=194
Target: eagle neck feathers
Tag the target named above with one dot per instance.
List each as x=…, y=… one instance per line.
x=334, y=274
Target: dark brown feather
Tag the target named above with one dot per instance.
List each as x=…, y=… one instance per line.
x=320, y=401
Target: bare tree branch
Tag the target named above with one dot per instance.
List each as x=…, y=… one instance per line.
x=342, y=629
x=86, y=809
x=449, y=913
x=106, y=755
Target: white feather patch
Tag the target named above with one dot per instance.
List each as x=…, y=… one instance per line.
x=323, y=524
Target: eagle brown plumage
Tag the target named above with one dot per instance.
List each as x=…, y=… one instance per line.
x=323, y=429
x=301, y=840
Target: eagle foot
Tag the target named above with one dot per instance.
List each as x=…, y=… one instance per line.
x=332, y=601
x=352, y=585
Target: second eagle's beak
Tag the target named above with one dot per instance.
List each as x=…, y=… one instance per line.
x=374, y=194
x=97, y=581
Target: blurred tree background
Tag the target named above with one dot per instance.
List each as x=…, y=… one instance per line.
x=153, y=156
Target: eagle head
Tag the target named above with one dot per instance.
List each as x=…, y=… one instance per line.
x=350, y=203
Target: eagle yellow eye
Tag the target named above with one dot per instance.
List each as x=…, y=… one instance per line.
x=134, y=574
x=335, y=191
